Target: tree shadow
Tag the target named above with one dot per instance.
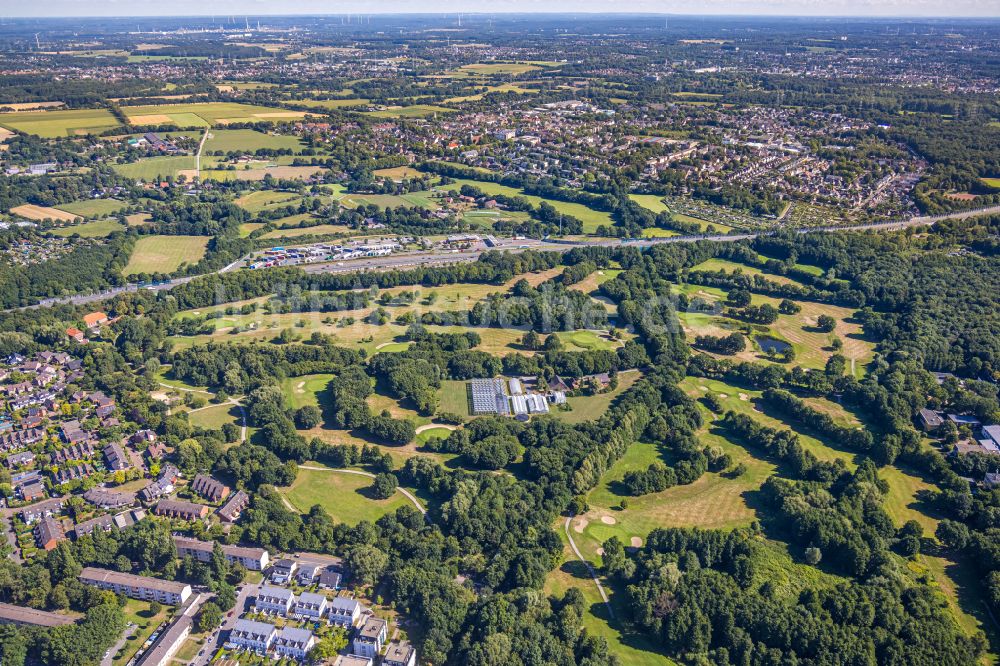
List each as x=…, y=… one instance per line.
x=576, y=569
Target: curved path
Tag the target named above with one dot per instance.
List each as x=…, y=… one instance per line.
x=590, y=568
x=231, y=401
x=431, y=426
x=406, y=493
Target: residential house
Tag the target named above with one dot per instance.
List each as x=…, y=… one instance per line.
x=137, y=587
x=48, y=533
x=352, y=660
x=370, y=638
x=180, y=509
x=276, y=600
x=36, y=512
x=400, y=654
x=252, y=636
x=556, y=383
x=209, y=488
x=22, y=459
x=255, y=559
x=309, y=605
x=343, y=611
x=103, y=523
x=75, y=334
x=170, y=641
x=109, y=499
x=32, y=617
x=293, y=642
x=930, y=420
x=94, y=320
x=330, y=578
x=231, y=510
x=283, y=570
x=115, y=457
x=308, y=573
x=32, y=491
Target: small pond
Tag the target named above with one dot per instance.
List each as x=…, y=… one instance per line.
x=772, y=345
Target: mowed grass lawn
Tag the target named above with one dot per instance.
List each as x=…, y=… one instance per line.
x=93, y=208
x=165, y=254
x=255, y=202
x=228, y=140
x=98, y=229
x=344, y=496
x=215, y=416
x=52, y=124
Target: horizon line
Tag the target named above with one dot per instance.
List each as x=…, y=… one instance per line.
x=587, y=13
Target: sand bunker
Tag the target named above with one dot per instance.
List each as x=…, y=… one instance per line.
x=744, y=397
x=580, y=525
x=608, y=520
x=636, y=542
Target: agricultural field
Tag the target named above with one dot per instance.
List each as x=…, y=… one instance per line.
x=93, y=208
x=503, y=88
x=33, y=212
x=165, y=254
x=206, y=114
x=59, y=123
x=344, y=496
x=990, y=182
x=418, y=199
x=98, y=229
x=228, y=140
x=152, y=169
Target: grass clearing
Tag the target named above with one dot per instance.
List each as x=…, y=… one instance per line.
x=255, y=202
x=165, y=254
x=651, y=202
x=98, y=229
x=590, y=218
x=215, y=416
x=343, y=496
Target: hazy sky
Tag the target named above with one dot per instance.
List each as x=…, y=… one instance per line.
x=261, y=7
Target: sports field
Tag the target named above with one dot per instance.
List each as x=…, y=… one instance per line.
x=67, y=122
x=209, y=113
x=228, y=140
x=93, y=208
x=164, y=254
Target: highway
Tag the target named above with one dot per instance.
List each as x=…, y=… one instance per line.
x=438, y=257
